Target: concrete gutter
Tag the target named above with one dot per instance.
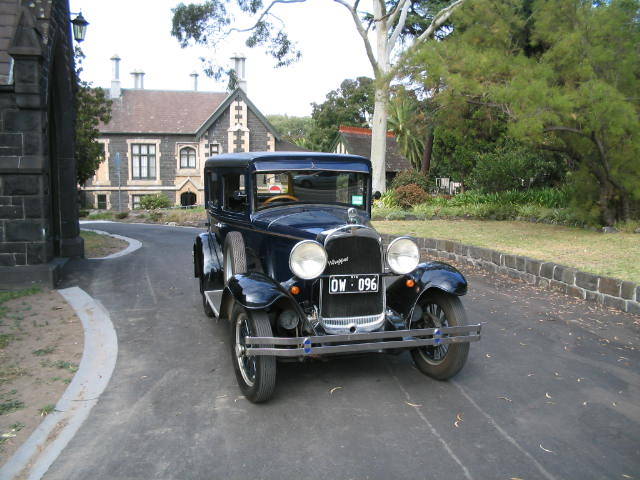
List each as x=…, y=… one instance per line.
x=133, y=244
x=610, y=292
x=37, y=454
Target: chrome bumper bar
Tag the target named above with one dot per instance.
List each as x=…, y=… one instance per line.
x=359, y=342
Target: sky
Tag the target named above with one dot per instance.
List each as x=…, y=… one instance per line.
x=139, y=32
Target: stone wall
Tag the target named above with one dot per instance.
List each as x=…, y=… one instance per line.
x=611, y=292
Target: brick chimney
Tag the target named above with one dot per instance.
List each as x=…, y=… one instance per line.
x=115, y=82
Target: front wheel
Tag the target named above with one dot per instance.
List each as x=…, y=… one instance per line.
x=440, y=309
x=256, y=375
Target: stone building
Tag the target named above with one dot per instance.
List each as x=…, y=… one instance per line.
x=157, y=140
x=38, y=195
x=357, y=141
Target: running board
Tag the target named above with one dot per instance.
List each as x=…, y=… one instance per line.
x=214, y=299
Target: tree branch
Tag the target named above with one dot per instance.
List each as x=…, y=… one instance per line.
x=264, y=14
x=363, y=35
x=441, y=17
x=404, y=9
x=560, y=128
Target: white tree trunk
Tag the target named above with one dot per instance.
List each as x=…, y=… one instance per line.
x=379, y=127
x=379, y=139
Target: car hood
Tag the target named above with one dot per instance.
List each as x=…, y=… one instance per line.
x=306, y=221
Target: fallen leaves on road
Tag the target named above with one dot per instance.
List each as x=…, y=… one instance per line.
x=505, y=398
x=458, y=420
x=334, y=389
x=413, y=404
x=546, y=450
x=487, y=355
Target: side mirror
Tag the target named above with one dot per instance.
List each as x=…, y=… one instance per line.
x=377, y=195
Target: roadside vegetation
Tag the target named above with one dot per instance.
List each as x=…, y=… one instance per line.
x=41, y=342
x=97, y=245
x=610, y=255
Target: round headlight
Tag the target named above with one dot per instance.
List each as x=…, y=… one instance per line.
x=308, y=260
x=403, y=255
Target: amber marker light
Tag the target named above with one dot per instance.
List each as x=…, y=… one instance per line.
x=295, y=290
x=410, y=283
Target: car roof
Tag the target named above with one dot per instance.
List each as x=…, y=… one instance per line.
x=273, y=161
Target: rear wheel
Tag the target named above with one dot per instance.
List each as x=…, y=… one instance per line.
x=440, y=309
x=235, y=259
x=256, y=375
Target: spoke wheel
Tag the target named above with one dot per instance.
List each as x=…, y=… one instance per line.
x=440, y=309
x=256, y=375
x=234, y=258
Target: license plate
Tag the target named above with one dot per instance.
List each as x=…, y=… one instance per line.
x=353, y=283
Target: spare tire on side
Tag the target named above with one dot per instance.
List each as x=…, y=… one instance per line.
x=234, y=257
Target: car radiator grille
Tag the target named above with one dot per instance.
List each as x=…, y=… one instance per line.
x=365, y=311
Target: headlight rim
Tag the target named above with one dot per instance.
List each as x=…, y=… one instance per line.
x=324, y=254
x=394, y=241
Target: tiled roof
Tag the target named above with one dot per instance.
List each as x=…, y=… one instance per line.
x=357, y=140
x=161, y=111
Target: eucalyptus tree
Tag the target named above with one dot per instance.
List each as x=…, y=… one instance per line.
x=389, y=34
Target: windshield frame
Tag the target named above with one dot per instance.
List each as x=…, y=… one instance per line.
x=255, y=203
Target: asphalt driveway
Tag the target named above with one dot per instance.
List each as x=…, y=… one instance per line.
x=551, y=391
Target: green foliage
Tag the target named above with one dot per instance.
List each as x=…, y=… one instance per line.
x=92, y=107
x=351, y=104
x=408, y=177
x=407, y=122
x=387, y=200
x=512, y=166
x=563, y=74
x=122, y=215
x=152, y=202
x=209, y=23
x=292, y=129
x=410, y=195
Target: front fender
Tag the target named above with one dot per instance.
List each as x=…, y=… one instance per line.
x=426, y=276
x=255, y=291
x=208, y=260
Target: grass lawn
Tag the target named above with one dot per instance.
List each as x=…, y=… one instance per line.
x=615, y=255
x=97, y=245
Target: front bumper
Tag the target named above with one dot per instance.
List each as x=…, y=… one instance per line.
x=359, y=342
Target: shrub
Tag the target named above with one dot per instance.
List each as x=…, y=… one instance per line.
x=410, y=177
x=121, y=215
x=410, y=195
x=155, y=216
x=151, y=202
x=83, y=213
x=387, y=200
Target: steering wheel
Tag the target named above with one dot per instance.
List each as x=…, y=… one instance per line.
x=280, y=197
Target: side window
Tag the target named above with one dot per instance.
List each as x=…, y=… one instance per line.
x=234, y=193
x=213, y=190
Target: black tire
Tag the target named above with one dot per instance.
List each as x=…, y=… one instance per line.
x=208, y=311
x=441, y=309
x=234, y=258
x=256, y=375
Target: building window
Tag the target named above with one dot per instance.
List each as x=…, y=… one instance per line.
x=143, y=161
x=102, y=201
x=188, y=157
x=135, y=201
x=214, y=148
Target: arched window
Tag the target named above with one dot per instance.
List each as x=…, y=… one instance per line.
x=188, y=157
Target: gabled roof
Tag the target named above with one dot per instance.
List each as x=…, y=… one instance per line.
x=225, y=104
x=357, y=141
x=161, y=111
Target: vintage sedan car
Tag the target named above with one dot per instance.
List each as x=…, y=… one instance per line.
x=301, y=273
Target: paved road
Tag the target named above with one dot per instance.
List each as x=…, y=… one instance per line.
x=551, y=391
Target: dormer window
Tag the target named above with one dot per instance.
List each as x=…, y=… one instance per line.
x=188, y=157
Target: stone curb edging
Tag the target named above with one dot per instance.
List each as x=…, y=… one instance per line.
x=40, y=450
x=133, y=244
x=611, y=292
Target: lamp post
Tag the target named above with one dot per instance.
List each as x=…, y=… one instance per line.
x=79, y=27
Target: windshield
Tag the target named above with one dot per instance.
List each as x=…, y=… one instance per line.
x=303, y=186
